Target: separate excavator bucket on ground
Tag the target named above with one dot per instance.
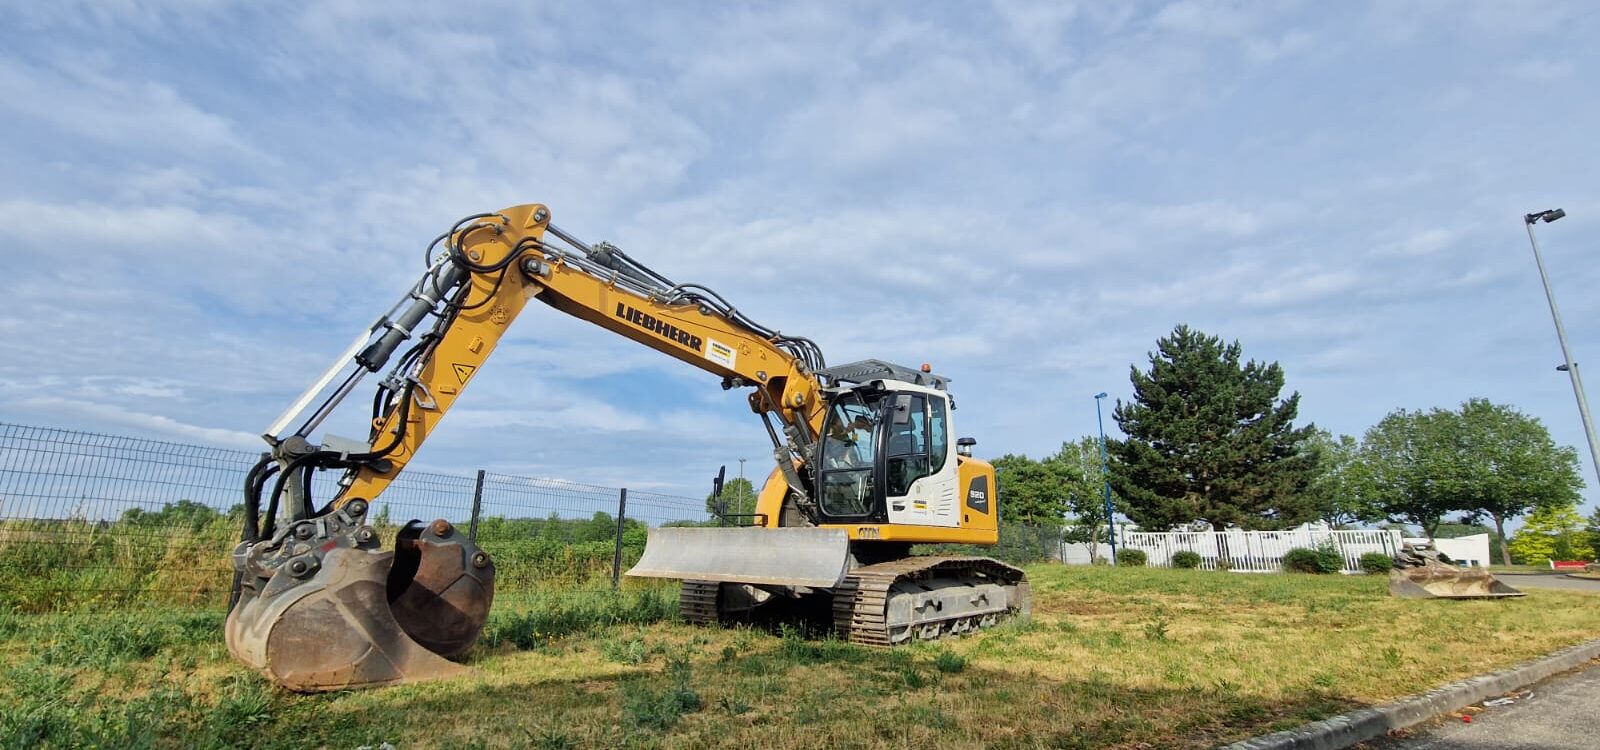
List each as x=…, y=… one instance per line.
x=812, y=557
x=1447, y=582
x=1420, y=574
x=322, y=608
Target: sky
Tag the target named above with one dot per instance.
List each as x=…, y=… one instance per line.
x=205, y=200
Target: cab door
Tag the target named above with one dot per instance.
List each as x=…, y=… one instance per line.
x=920, y=474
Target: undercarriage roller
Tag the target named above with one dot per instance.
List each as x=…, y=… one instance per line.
x=322, y=608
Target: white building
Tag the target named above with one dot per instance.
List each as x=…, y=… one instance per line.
x=1466, y=550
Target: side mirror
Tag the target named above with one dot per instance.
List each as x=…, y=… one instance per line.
x=902, y=409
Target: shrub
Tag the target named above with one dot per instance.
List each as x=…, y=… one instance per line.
x=1325, y=558
x=1300, y=560
x=1186, y=559
x=1376, y=563
x=1132, y=558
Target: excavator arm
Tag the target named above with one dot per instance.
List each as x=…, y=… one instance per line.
x=516, y=255
x=319, y=605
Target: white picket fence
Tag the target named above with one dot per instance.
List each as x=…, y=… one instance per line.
x=1256, y=551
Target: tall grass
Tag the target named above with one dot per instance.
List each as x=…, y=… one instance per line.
x=68, y=565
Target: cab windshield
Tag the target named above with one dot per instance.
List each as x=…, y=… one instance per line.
x=849, y=453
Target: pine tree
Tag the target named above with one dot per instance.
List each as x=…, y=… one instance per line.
x=1208, y=440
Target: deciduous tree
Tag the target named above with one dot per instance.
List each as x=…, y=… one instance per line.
x=1034, y=493
x=1552, y=532
x=1401, y=468
x=1081, y=466
x=738, y=499
x=1508, y=464
x=1485, y=460
x=1594, y=529
x=1208, y=439
x=1332, y=490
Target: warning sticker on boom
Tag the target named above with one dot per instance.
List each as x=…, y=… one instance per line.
x=463, y=372
x=720, y=353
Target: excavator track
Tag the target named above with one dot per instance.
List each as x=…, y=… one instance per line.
x=926, y=598
x=697, y=602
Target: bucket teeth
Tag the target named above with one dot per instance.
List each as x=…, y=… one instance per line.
x=322, y=608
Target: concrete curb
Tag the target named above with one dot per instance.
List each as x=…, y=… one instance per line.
x=1369, y=723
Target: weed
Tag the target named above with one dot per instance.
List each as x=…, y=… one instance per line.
x=949, y=662
x=631, y=651
x=660, y=709
x=551, y=738
x=729, y=653
x=246, y=704
x=809, y=711
x=796, y=648
x=754, y=666
x=1156, y=630
x=10, y=624
x=927, y=716
x=913, y=678
x=1392, y=658
x=733, y=706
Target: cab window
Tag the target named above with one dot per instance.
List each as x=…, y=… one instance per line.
x=849, y=454
x=938, y=435
x=906, y=447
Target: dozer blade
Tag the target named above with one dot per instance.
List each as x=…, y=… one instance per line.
x=1447, y=582
x=322, y=608
x=785, y=557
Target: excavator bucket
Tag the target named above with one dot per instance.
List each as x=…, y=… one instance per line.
x=811, y=557
x=322, y=608
x=1447, y=582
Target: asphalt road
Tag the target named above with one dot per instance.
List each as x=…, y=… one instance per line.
x=1561, y=713
x=1546, y=581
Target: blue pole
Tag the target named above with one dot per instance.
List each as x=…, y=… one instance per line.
x=1105, y=477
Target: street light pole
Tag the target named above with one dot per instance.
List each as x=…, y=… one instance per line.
x=1105, y=477
x=1561, y=334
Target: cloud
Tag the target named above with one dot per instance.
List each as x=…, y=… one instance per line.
x=92, y=102
x=137, y=421
x=1020, y=193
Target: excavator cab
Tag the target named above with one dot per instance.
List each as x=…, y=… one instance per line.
x=887, y=457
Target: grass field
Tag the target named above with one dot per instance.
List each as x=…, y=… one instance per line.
x=1119, y=658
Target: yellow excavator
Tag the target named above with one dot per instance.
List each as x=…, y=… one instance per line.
x=865, y=467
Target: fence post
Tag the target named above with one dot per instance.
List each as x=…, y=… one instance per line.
x=477, y=505
x=616, y=557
